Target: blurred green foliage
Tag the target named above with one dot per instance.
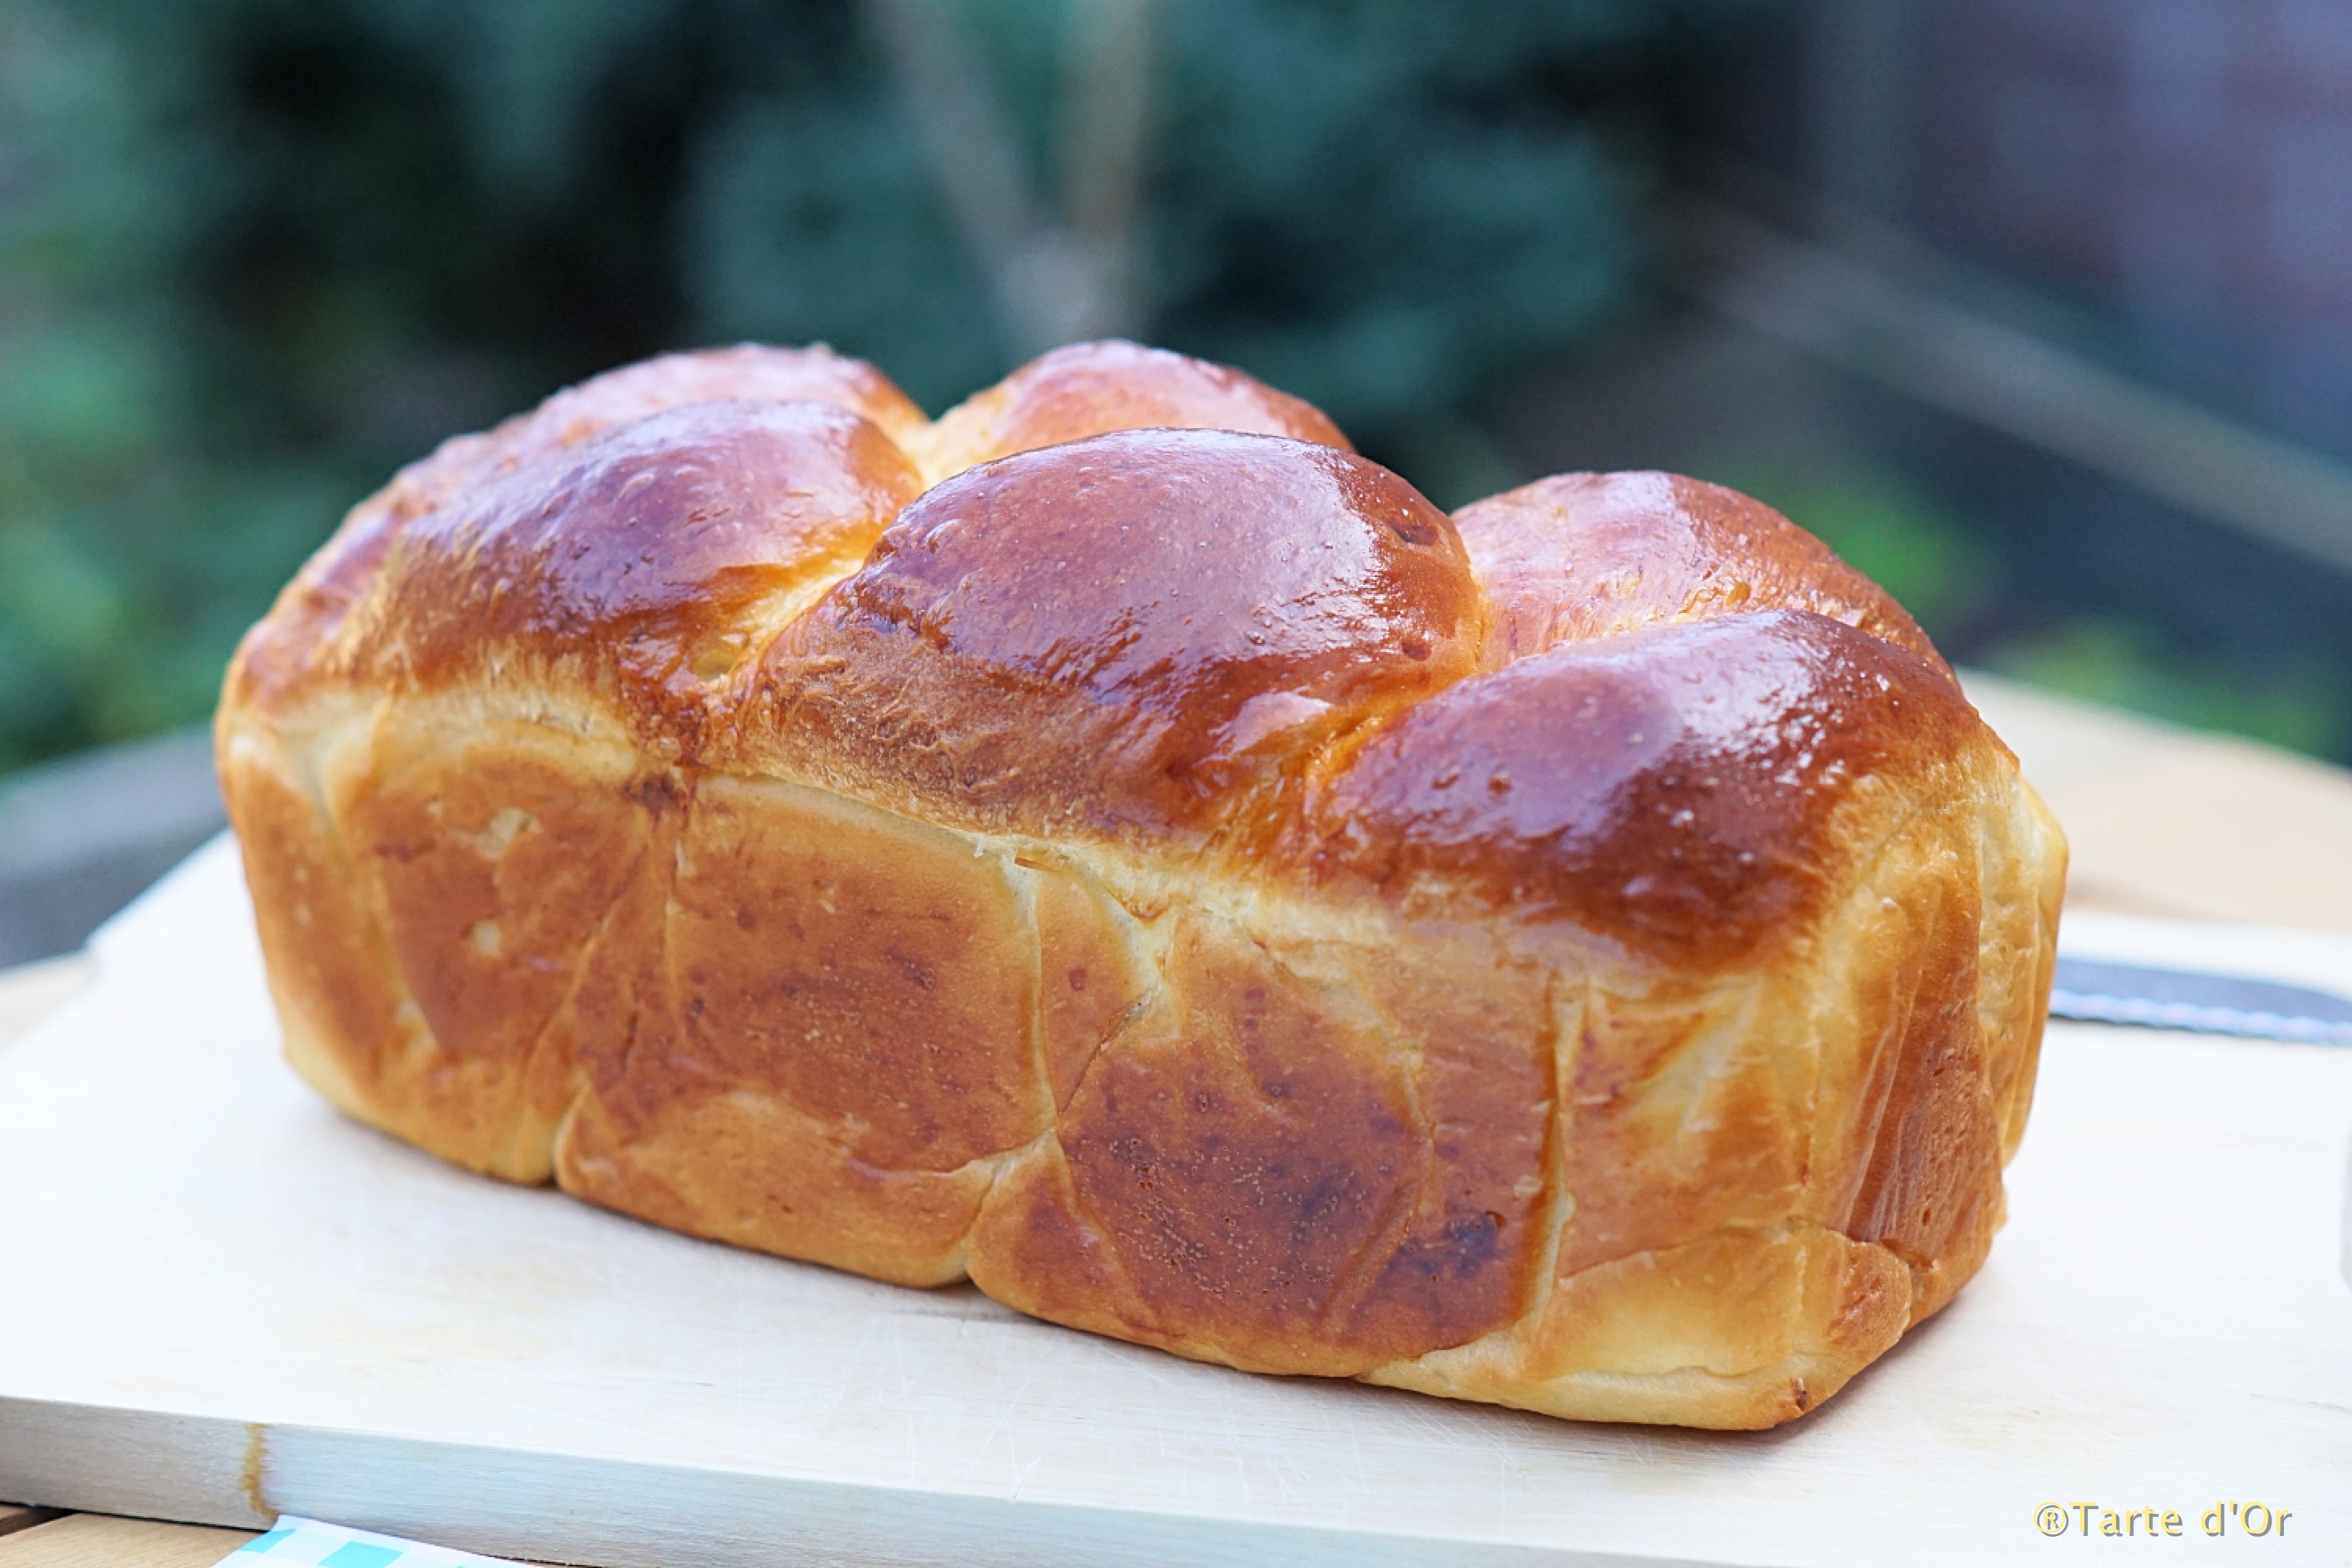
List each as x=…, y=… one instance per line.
x=1935, y=566
x=254, y=253
x=1946, y=575
x=2125, y=663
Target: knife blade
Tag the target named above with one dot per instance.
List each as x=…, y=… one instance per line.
x=2208, y=1004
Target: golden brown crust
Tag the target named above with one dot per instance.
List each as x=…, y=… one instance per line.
x=1679, y=788
x=1093, y=389
x=1141, y=632
x=1264, y=1178
x=1590, y=959
x=1578, y=556
x=298, y=640
x=644, y=566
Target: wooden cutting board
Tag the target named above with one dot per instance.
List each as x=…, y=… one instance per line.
x=219, y=1300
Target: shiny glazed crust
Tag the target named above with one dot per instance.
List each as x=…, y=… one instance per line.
x=1116, y=844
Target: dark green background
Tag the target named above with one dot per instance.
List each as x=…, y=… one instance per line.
x=254, y=254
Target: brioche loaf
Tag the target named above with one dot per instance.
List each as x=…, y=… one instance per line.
x=1118, y=846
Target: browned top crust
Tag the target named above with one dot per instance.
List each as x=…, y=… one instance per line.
x=1674, y=788
x=751, y=372
x=304, y=632
x=656, y=553
x=1141, y=632
x=1120, y=846
x=1582, y=555
x=1091, y=389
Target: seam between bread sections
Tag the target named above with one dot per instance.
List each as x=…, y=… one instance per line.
x=1512, y=1340
x=1563, y=1044
x=1864, y=1139
x=592, y=949
x=775, y=617
x=1155, y=996
x=2039, y=847
x=1884, y=1067
x=1025, y=867
x=1021, y=876
x=1353, y=1281
x=560, y=1129
x=308, y=766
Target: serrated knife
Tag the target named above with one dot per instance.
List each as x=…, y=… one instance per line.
x=2208, y=1004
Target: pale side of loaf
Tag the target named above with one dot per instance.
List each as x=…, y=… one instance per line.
x=1116, y=844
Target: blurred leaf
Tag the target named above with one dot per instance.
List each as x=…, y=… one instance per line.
x=1932, y=564
x=2121, y=662
x=820, y=224
x=63, y=604
x=79, y=399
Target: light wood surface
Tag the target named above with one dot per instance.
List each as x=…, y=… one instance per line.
x=95, y=1541
x=2167, y=822
x=2163, y=823
x=250, y=1304
x=14, y=1518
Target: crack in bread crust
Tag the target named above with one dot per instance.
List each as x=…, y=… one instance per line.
x=1115, y=844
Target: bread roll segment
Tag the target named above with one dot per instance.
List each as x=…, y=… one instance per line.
x=1118, y=846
